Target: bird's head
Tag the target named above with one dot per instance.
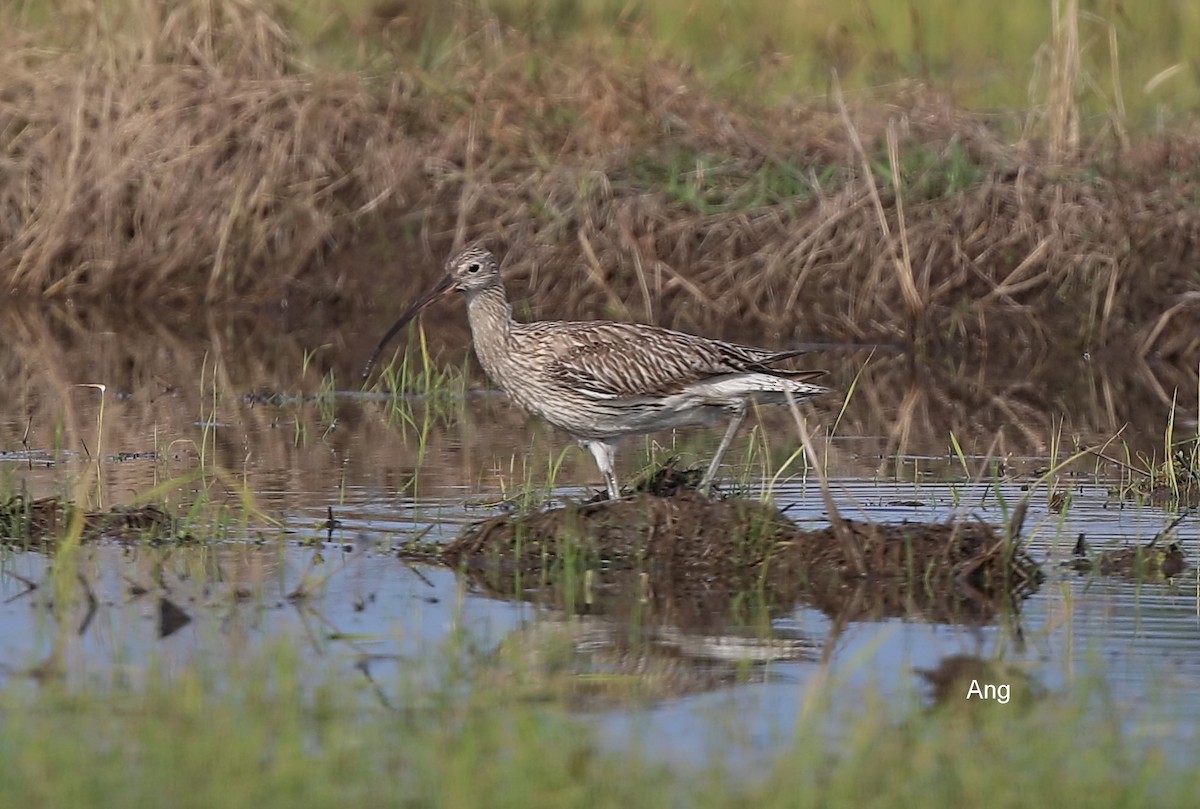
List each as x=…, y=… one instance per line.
x=468, y=271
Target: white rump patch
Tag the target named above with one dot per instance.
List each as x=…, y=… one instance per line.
x=733, y=388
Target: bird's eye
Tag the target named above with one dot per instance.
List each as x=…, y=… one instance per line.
x=473, y=267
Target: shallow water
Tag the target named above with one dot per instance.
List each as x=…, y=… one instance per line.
x=175, y=410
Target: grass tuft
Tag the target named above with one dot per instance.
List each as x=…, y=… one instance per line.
x=267, y=732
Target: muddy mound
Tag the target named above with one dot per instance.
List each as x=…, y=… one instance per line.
x=44, y=522
x=1157, y=560
x=683, y=535
x=695, y=559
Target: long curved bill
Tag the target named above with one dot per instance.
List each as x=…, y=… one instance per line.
x=444, y=287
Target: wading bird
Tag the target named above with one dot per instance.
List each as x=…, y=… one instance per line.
x=600, y=380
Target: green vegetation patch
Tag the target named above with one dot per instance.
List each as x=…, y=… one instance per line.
x=1174, y=481
x=266, y=732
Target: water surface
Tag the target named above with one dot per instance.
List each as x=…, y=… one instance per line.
x=252, y=430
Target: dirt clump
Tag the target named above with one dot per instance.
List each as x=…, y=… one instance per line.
x=1153, y=561
x=43, y=522
x=694, y=557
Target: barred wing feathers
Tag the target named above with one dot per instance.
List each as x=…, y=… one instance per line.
x=629, y=360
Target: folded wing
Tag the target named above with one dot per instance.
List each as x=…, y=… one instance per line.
x=625, y=360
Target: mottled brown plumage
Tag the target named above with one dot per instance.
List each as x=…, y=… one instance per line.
x=601, y=380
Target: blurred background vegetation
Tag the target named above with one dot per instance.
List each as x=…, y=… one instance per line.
x=244, y=149
x=1137, y=62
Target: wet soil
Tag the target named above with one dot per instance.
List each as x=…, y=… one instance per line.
x=1153, y=561
x=694, y=559
x=45, y=521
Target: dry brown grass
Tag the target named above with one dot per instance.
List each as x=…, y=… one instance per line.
x=184, y=159
x=199, y=159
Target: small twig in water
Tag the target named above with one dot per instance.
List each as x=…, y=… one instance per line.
x=1163, y=534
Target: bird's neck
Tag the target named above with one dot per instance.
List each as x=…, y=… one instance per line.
x=490, y=315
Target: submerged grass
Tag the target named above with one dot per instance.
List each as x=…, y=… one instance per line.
x=421, y=393
x=419, y=375
x=204, y=504
x=59, y=523
x=269, y=732
x=1175, y=479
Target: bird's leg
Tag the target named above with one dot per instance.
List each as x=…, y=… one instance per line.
x=735, y=421
x=603, y=452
